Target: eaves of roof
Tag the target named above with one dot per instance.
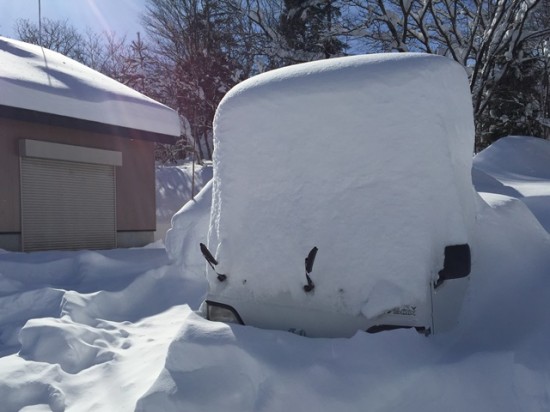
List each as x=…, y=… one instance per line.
x=33, y=116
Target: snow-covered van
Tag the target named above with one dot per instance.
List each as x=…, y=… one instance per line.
x=342, y=197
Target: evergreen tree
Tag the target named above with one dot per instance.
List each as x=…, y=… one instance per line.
x=514, y=108
x=308, y=28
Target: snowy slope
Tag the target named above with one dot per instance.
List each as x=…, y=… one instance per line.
x=116, y=331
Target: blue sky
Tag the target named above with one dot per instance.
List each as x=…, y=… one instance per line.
x=120, y=16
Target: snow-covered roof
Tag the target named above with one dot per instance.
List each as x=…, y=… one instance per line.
x=41, y=80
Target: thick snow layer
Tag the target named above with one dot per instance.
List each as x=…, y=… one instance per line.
x=93, y=328
x=517, y=166
x=189, y=228
x=39, y=79
x=398, y=129
x=174, y=186
x=115, y=331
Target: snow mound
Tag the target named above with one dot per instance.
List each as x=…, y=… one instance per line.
x=73, y=347
x=516, y=157
x=512, y=259
x=87, y=287
x=77, y=317
x=367, y=158
x=32, y=396
x=496, y=360
x=517, y=166
x=485, y=183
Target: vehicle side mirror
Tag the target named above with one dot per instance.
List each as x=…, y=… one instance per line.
x=457, y=264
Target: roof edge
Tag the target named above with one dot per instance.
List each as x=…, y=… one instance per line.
x=33, y=116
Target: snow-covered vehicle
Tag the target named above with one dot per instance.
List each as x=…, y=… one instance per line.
x=362, y=167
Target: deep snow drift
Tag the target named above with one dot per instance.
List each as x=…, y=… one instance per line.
x=518, y=167
x=115, y=330
x=400, y=138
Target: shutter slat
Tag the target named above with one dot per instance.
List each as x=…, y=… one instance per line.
x=67, y=205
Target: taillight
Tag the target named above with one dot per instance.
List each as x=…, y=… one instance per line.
x=220, y=312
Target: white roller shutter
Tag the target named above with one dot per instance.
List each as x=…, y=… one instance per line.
x=67, y=205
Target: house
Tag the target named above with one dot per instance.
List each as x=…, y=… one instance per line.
x=77, y=166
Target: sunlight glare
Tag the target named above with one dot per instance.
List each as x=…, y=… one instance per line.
x=101, y=21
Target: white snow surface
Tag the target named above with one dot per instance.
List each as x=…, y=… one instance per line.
x=174, y=188
x=399, y=130
x=518, y=167
x=35, y=78
x=116, y=330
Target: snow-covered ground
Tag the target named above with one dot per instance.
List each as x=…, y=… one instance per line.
x=116, y=330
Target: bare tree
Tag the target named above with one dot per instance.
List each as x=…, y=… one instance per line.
x=57, y=35
x=131, y=63
x=488, y=37
x=291, y=31
x=200, y=48
x=104, y=52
